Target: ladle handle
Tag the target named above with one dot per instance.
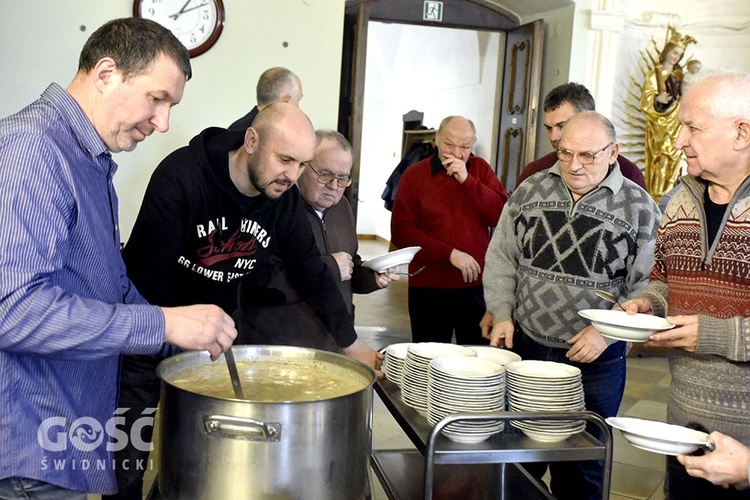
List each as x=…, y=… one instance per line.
x=233, y=374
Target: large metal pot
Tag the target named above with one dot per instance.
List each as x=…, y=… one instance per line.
x=224, y=448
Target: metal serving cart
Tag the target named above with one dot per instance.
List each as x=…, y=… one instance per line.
x=440, y=468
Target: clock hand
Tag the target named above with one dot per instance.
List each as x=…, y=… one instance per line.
x=184, y=10
x=175, y=16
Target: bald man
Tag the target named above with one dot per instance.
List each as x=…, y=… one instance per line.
x=447, y=204
x=217, y=215
x=274, y=85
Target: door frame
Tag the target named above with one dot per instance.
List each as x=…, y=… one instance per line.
x=467, y=14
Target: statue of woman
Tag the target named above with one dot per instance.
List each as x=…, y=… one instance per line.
x=660, y=102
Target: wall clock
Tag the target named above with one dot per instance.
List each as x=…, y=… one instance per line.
x=196, y=23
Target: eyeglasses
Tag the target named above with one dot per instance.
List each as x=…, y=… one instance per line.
x=586, y=158
x=326, y=177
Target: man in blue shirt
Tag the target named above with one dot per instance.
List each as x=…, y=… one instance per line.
x=67, y=309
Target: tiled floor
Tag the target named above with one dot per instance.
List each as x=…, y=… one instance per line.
x=382, y=318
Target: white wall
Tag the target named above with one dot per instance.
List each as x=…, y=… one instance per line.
x=439, y=71
x=40, y=41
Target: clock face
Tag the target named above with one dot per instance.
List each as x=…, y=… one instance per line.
x=196, y=23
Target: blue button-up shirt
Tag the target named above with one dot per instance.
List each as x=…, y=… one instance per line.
x=67, y=309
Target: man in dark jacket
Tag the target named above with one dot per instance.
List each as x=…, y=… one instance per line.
x=321, y=184
x=274, y=85
x=216, y=216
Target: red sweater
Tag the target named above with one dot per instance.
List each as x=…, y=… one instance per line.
x=436, y=212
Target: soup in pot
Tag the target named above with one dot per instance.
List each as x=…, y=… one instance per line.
x=272, y=380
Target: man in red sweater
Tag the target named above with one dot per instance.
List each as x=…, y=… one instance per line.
x=447, y=204
x=560, y=104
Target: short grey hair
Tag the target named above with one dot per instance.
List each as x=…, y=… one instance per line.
x=336, y=137
x=448, y=119
x=272, y=85
x=731, y=90
x=602, y=120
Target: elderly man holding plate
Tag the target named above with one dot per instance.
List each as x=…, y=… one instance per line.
x=565, y=233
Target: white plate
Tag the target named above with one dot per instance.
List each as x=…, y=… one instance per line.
x=398, y=350
x=495, y=354
x=467, y=367
x=620, y=325
x=542, y=370
x=467, y=438
x=659, y=437
x=392, y=259
x=547, y=436
x=431, y=350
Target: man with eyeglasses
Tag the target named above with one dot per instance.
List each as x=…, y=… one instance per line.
x=560, y=104
x=322, y=184
x=219, y=216
x=578, y=228
x=447, y=204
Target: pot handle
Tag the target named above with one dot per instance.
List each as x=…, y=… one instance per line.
x=248, y=429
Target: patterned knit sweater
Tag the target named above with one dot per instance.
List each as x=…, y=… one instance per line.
x=712, y=385
x=549, y=254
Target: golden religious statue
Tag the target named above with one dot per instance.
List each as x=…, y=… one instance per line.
x=660, y=102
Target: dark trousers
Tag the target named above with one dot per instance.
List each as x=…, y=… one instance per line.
x=139, y=391
x=603, y=387
x=21, y=488
x=679, y=485
x=435, y=313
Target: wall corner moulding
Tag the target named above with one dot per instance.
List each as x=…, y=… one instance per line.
x=652, y=18
x=603, y=20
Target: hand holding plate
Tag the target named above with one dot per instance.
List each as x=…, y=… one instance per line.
x=725, y=466
x=684, y=336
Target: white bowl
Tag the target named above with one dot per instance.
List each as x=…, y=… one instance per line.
x=431, y=350
x=398, y=350
x=467, y=367
x=620, y=325
x=533, y=369
x=392, y=259
x=496, y=354
x=659, y=437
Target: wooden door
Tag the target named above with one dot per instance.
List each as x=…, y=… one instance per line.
x=519, y=109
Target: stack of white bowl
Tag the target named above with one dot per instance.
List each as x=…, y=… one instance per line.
x=414, y=380
x=461, y=384
x=394, y=360
x=546, y=386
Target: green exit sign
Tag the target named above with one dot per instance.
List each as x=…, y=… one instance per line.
x=433, y=11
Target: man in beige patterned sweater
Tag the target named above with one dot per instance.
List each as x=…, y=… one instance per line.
x=701, y=276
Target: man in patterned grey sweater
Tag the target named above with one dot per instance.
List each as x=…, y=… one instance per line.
x=565, y=233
